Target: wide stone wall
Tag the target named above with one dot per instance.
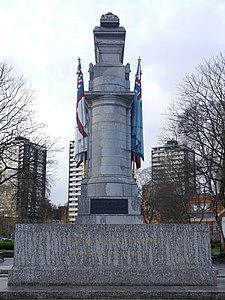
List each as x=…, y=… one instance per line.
x=58, y=254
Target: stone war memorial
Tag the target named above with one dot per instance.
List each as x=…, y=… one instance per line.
x=109, y=245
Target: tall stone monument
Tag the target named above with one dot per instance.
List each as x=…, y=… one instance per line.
x=109, y=246
x=109, y=193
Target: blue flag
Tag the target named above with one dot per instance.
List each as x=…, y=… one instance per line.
x=137, y=142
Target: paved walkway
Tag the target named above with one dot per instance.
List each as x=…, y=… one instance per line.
x=111, y=292
x=7, y=264
x=220, y=268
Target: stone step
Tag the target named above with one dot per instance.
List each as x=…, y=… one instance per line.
x=89, y=292
x=4, y=271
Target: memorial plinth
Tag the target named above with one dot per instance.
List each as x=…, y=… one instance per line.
x=112, y=255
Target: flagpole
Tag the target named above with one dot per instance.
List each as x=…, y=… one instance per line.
x=133, y=166
x=139, y=60
x=84, y=166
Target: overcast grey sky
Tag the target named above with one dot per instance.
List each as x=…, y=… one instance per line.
x=43, y=39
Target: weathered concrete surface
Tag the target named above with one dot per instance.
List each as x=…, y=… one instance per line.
x=112, y=255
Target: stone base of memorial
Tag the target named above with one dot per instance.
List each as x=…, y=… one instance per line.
x=122, y=255
x=108, y=200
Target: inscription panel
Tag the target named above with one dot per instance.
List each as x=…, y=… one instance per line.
x=109, y=206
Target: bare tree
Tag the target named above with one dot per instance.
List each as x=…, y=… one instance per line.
x=17, y=122
x=197, y=118
x=16, y=118
x=149, y=204
x=165, y=201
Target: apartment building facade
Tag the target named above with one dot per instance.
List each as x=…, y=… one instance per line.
x=24, y=191
x=174, y=163
x=74, y=184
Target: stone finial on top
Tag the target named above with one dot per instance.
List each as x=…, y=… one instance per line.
x=109, y=20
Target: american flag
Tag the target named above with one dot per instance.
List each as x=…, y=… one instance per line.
x=80, y=145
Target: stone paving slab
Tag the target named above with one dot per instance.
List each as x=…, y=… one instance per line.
x=112, y=292
x=6, y=264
